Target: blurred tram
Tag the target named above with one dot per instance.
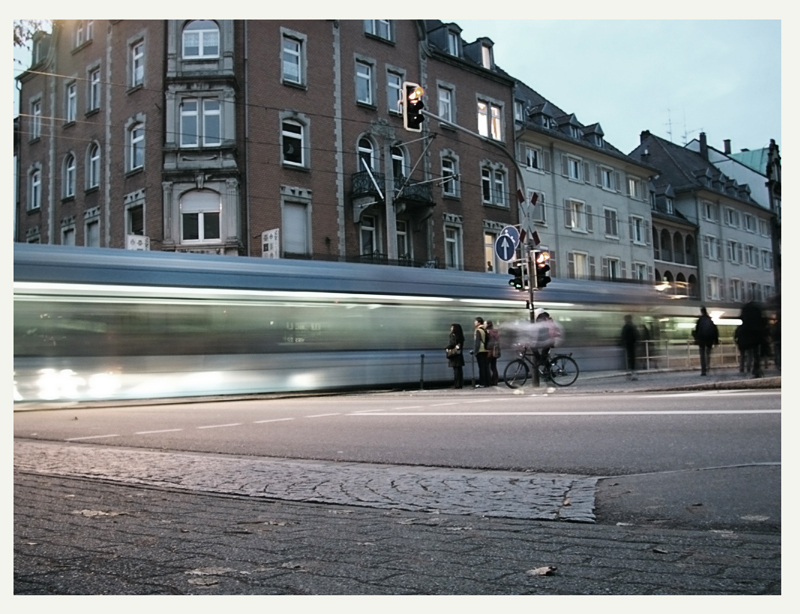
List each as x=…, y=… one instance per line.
x=105, y=324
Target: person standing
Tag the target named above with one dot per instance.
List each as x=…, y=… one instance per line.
x=706, y=336
x=752, y=334
x=630, y=337
x=493, y=351
x=455, y=354
x=481, y=354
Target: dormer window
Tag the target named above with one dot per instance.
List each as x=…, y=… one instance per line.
x=382, y=28
x=486, y=56
x=453, y=43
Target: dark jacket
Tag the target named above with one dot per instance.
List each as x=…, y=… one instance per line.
x=753, y=331
x=458, y=359
x=705, y=331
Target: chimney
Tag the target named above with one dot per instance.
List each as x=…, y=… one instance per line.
x=727, y=143
x=703, y=146
x=644, y=136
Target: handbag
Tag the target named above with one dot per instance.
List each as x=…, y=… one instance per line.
x=451, y=352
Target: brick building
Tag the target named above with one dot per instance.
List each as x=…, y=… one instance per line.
x=274, y=138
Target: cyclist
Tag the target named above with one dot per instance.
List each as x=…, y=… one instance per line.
x=547, y=334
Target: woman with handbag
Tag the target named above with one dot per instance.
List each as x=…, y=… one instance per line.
x=493, y=347
x=455, y=356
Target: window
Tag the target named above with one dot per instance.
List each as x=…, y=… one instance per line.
x=735, y=290
x=200, y=213
x=71, y=109
x=751, y=255
x=611, y=222
x=69, y=176
x=669, y=205
x=403, y=243
x=763, y=228
x=382, y=28
x=713, y=288
x=766, y=259
x=749, y=223
x=539, y=211
x=711, y=248
x=710, y=211
x=493, y=186
x=489, y=256
x=519, y=114
x=453, y=43
x=94, y=89
x=452, y=247
x=578, y=216
x=137, y=63
x=612, y=269
x=369, y=235
x=450, y=175
x=68, y=235
x=578, y=265
x=638, y=231
x=36, y=119
x=93, y=166
x=366, y=154
x=34, y=190
x=446, y=103
x=135, y=220
x=364, y=83
x=201, y=40
x=607, y=178
x=489, y=120
x=639, y=271
x=79, y=34
x=394, y=91
x=295, y=229
x=92, y=233
x=486, y=56
x=293, y=60
x=734, y=252
x=292, y=139
x=635, y=188
x=136, y=146
x=732, y=217
x=533, y=157
x=571, y=168
x=399, y=169
x=200, y=122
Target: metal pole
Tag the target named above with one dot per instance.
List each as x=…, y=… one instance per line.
x=421, y=370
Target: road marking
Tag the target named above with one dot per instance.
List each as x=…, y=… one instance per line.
x=272, y=420
x=90, y=437
x=322, y=415
x=675, y=412
x=219, y=426
x=443, y=404
x=161, y=431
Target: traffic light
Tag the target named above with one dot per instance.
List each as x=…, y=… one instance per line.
x=517, y=272
x=541, y=262
x=412, y=106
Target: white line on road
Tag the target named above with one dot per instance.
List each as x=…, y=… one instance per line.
x=582, y=413
x=272, y=420
x=161, y=431
x=90, y=437
x=219, y=426
x=322, y=415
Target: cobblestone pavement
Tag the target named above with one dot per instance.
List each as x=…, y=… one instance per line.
x=90, y=537
x=95, y=520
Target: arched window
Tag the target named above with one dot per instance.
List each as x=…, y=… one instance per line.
x=34, y=189
x=678, y=250
x=69, y=176
x=399, y=167
x=666, y=246
x=136, y=146
x=366, y=154
x=200, y=216
x=656, y=245
x=201, y=40
x=93, y=166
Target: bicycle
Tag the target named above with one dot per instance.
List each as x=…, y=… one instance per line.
x=561, y=369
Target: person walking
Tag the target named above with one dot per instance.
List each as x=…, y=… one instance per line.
x=455, y=354
x=706, y=336
x=752, y=334
x=481, y=354
x=630, y=337
x=493, y=350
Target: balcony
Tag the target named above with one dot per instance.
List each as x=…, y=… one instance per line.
x=415, y=198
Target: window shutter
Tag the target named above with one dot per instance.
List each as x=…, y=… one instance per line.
x=617, y=181
x=564, y=166
x=604, y=268
x=567, y=213
x=587, y=172
x=571, y=265
x=628, y=188
x=630, y=228
x=591, y=267
x=589, y=219
x=623, y=269
x=546, y=161
x=647, y=233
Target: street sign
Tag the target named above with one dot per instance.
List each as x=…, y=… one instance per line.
x=506, y=244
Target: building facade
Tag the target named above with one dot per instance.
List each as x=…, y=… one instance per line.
x=266, y=138
x=711, y=239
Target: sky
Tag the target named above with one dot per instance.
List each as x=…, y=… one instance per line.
x=675, y=78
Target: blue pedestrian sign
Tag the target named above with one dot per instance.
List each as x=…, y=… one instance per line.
x=506, y=244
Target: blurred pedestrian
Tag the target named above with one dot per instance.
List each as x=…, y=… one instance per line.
x=630, y=338
x=455, y=354
x=745, y=355
x=493, y=349
x=480, y=353
x=547, y=334
x=776, y=341
x=753, y=334
x=706, y=336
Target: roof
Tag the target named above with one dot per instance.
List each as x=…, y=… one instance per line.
x=755, y=159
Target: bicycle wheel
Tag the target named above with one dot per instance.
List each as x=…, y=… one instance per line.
x=516, y=373
x=563, y=370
